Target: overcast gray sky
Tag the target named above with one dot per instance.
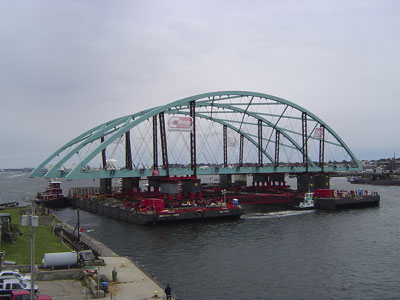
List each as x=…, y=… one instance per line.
x=67, y=66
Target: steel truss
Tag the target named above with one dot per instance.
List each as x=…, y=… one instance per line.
x=272, y=126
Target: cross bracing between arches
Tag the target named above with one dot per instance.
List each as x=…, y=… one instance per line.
x=276, y=136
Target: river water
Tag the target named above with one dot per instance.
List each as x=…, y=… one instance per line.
x=346, y=254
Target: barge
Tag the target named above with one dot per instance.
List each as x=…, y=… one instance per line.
x=376, y=179
x=331, y=199
x=175, y=199
x=152, y=211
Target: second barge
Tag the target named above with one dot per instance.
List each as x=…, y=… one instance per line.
x=331, y=200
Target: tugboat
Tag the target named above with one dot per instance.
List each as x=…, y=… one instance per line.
x=307, y=203
x=52, y=192
x=53, y=196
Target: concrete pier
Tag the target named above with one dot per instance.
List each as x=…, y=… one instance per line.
x=132, y=282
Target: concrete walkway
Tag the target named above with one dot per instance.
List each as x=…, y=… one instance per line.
x=132, y=283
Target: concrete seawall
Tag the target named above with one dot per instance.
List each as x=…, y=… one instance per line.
x=132, y=283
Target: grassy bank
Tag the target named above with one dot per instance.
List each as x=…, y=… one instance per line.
x=45, y=242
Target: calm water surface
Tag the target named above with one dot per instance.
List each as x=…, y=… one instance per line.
x=347, y=254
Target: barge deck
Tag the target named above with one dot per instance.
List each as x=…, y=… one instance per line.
x=347, y=202
x=331, y=200
x=135, y=216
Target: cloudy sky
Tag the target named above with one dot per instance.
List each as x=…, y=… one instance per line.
x=67, y=66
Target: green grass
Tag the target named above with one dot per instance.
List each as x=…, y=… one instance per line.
x=20, y=251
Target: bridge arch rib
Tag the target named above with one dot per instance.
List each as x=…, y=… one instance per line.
x=267, y=127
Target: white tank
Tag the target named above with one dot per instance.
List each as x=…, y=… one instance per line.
x=60, y=259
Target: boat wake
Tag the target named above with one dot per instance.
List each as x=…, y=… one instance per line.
x=276, y=214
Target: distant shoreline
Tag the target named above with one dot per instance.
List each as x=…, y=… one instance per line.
x=17, y=170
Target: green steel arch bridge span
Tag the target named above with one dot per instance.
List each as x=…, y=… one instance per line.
x=221, y=133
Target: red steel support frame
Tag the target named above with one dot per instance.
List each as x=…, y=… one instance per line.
x=260, y=139
x=241, y=150
x=225, y=146
x=155, y=146
x=322, y=149
x=305, y=138
x=277, y=141
x=163, y=135
x=103, y=154
x=128, y=152
x=193, y=154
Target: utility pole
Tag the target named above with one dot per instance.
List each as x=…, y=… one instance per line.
x=32, y=251
x=79, y=227
x=33, y=221
x=1, y=252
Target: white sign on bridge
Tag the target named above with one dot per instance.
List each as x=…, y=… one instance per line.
x=318, y=133
x=180, y=124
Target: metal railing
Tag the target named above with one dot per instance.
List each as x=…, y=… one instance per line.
x=84, y=238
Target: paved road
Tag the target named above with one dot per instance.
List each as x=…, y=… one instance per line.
x=132, y=283
x=64, y=289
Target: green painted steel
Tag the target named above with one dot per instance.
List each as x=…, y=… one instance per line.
x=208, y=107
x=257, y=116
x=125, y=173
x=247, y=136
x=37, y=171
